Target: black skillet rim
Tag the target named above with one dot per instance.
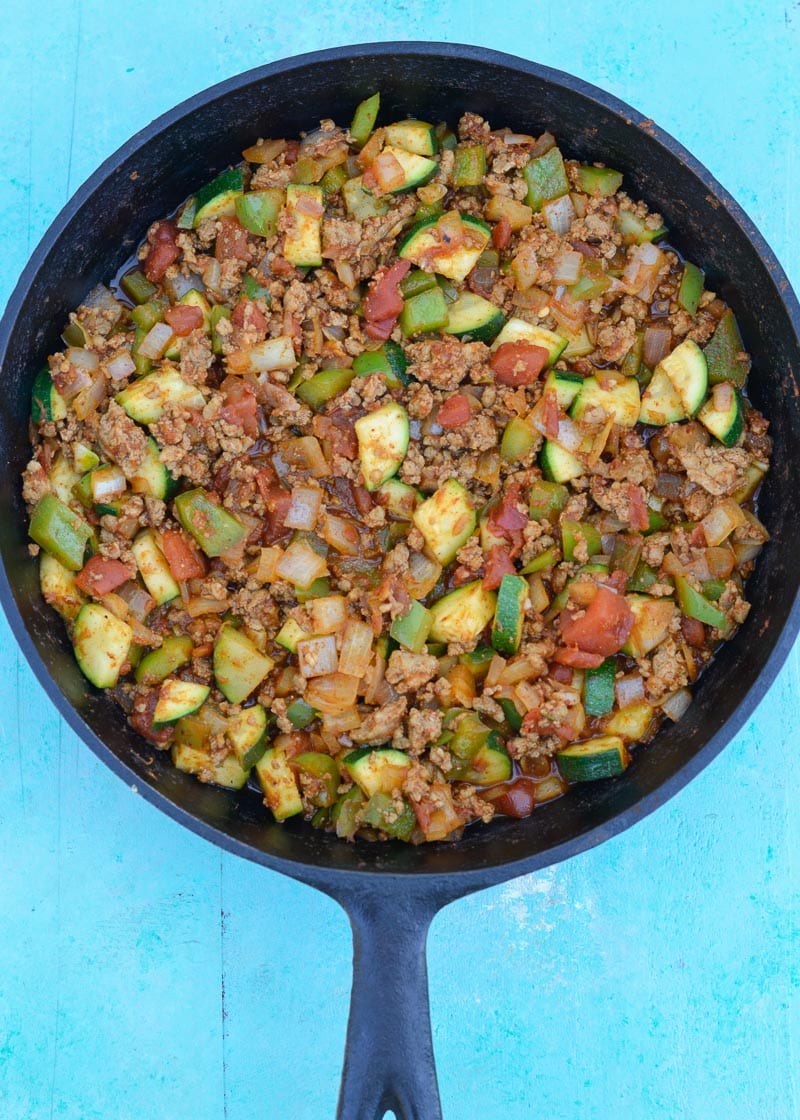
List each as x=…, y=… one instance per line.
x=461, y=880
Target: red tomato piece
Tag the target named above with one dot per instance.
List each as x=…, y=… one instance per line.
x=578, y=658
x=455, y=411
x=184, y=318
x=600, y=630
x=498, y=565
x=381, y=330
x=383, y=302
x=247, y=315
x=552, y=414
x=163, y=251
x=232, y=241
x=518, y=363
x=501, y=234
x=694, y=632
x=100, y=575
x=141, y=718
x=506, y=520
x=184, y=559
x=516, y=799
x=638, y=510
x=241, y=407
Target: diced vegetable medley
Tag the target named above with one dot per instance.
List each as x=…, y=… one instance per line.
x=406, y=475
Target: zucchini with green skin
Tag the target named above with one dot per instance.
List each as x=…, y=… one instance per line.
x=725, y=354
x=258, y=211
x=60, y=532
x=47, y=404
x=469, y=169
x=383, y=437
x=417, y=170
x=565, y=384
x=446, y=520
x=101, y=642
x=247, y=734
x=389, y=360
x=290, y=634
x=398, y=498
x=631, y=723
x=324, y=386
x=303, y=239
x=598, y=688
x=546, y=499
x=411, y=630
x=661, y=402
x=490, y=764
x=727, y=424
x=651, y=625
x=635, y=231
x=377, y=771
x=214, y=529
x=687, y=370
x=595, y=759
x=620, y=402
x=177, y=699
x=518, y=330
x=152, y=477
x=359, y=203
x=414, y=136
x=558, y=464
x=509, y=614
x=155, y=666
x=154, y=569
x=198, y=761
x=519, y=440
x=217, y=199
x=239, y=667
x=146, y=400
x=278, y=784
x=418, y=244
x=474, y=317
x=325, y=774
x=462, y=615
x=381, y=812
x=63, y=479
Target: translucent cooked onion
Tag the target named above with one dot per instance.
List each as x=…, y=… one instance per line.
x=721, y=521
x=332, y=694
x=201, y=605
x=156, y=341
x=274, y=353
x=121, y=366
x=90, y=398
x=80, y=358
x=107, y=484
x=720, y=561
x=559, y=215
x=676, y=704
x=422, y=575
x=328, y=615
x=722, y=395
x=567, y=267
x=656, y=345
x=306, y=452
x=317, y=657
x=642, y=270
x=356, y=652
x=178, y=285
x=340, y=534
x=341, y=723
x=629, y=690
x=745, y=551
x=140, y=603
x=304, y=508
x=301, y=565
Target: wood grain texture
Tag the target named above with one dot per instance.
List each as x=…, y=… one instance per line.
x=144, y=974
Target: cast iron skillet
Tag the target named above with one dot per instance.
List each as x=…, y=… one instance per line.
x=391, y=892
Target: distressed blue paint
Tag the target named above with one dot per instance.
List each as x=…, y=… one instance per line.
x=143, y=974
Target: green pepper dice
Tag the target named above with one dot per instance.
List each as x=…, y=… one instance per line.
x=214, y=529
x=60, y=532
x=424, y=312
x=546, y=179
x=258, y=211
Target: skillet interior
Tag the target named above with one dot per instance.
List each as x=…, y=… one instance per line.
x=161, y=165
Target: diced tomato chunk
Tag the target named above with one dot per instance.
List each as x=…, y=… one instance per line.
x=518, y=363
x=232, y=241
x=185, y=561
x=184, y=318
x=501, y=234
x=599, y=630
x=578, y=658
x=514, y=799
x=455, y=411
x=100, y=575
x=498, y=565
x=241, y=407
x=506, y=520
x=248, y=316
x=552, y=414
x=383, y=302
x=694, y=632
x=163, y=251
x=639, y=517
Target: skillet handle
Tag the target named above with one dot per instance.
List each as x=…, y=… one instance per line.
x=389, y=1061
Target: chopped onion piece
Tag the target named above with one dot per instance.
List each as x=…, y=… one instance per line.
x=642, y=270
x=140, y=603
x=200, y=605
x=676, y=704
x=275, y=353
x=340, y=534
x=156, y=341
x=82, y=359
x=306, y=452
x=559, y=214
x=721, y=521
x=301, y=565
x=328, y=615
x=121, y=366
x=657, y=342
x=629, y=690
x=90, y=398
x=567, y=267
x=720, y=562
x=422, y=575
x=745, y=551
x=304, y=508
x=332, y=694
x=107, y=483
x=264, y=568
x=340, y=723
x=722, y=396
x=356, y=652
x=317, y=656
x=179, y=285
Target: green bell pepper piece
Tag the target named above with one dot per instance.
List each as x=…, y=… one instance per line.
x=570, y=531
x=424, y=312
x=258, y=211
x=346, y=815
x=695, y=605
x=300, y=714
x=137, y=287
x=214, y=529
x=143, y=364
x=546, y=179
x=324, y=770
x=723, y=353
x=381, y=813
x=643, y=578
x=598, y=688
x=519, y=439
x=217, y=312
x=364, y=120
x=511, y=713
x=691, y=287
x=416, y=281
x=626, y=555
x=411, y=629
x=547, y=499
x=253, y=290
x=713, y=588
x=633, y=359
x=599, y=181
x=174, y=651
x=333, y=180
x=470, y=166
x=60, y=532
x=146, y=315
x=389, y=360
x=546, y=559
x=323, y=386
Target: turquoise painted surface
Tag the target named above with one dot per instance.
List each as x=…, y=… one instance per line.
x=145, y=975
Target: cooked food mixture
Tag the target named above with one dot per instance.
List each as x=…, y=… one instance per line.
x=406, y=475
